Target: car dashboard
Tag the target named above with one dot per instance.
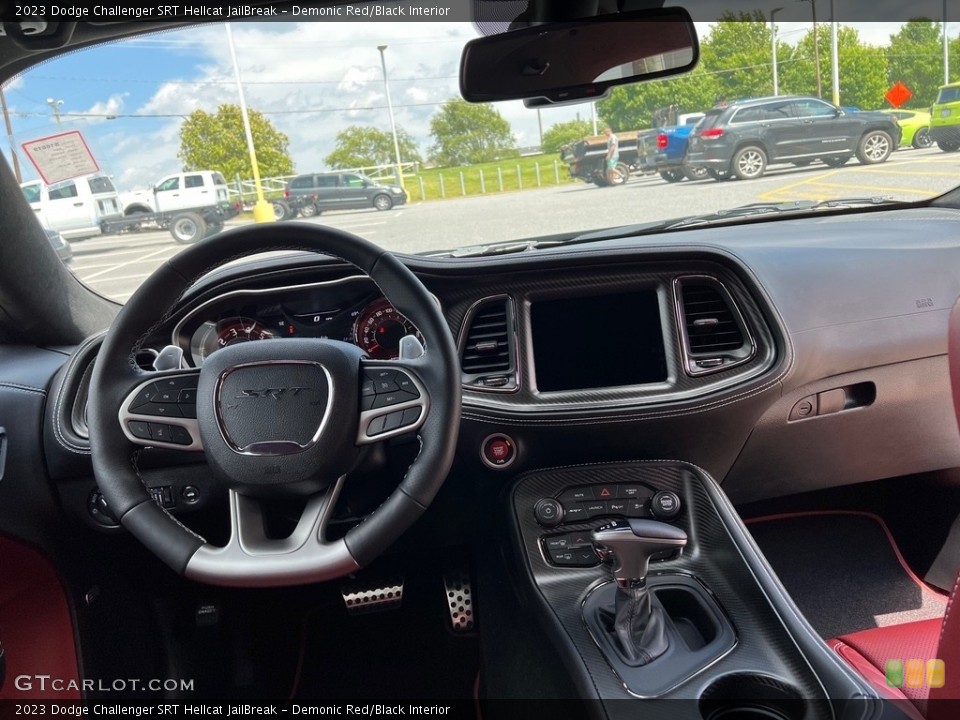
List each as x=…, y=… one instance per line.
x=683, y=373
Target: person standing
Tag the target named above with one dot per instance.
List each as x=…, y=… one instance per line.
x=612, y=157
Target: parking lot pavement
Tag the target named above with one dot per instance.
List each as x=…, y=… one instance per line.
x=116, y=265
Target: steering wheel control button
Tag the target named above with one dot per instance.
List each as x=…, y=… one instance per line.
x=159, y=410
x=376, y=425
x=99, y=510
x=139, y=429
x=665, y=505
x=548, y=512
x=392, y=398
x=384, y=381
x=405, y=384
x=187, y=397
x=145, y=396
x=392, y=421
x=498, y=451
x=368, y=388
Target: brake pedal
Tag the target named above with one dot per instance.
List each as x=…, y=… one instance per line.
x=365, y=599
x=459, y=596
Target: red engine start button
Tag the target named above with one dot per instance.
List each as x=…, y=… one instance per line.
x=498, y=451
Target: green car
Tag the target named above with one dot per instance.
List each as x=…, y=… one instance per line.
x=945, y=118
x=915, y=125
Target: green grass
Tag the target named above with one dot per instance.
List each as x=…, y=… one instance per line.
x=514, y=174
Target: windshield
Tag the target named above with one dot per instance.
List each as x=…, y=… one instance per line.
x=360, y=126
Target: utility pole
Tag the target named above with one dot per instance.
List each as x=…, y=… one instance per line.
x=816, y=47
x=13, y=149
x=773, y=49
x=55, y=104
x=393, y=124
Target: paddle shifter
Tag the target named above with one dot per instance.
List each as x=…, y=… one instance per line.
x=636, y=621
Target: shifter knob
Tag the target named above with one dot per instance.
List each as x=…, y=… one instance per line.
x=631, y=543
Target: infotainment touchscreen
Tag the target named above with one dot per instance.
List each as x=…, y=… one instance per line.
x=597, y=342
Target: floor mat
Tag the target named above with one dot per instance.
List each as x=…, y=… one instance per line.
x=844, y=571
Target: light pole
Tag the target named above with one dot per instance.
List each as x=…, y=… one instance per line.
x=393, y=124
x=946, y=47
x=13, y=148
x=55, y=104
x=816, y=46
x=262, y=210
x=773, y=48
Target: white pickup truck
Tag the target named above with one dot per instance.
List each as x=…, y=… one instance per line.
x=74, y=208
x=191, y=205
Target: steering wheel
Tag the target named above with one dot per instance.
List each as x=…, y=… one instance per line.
x=274, y=419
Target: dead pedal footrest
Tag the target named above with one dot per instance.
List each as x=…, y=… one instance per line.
x=384, y=595
x=458, y=593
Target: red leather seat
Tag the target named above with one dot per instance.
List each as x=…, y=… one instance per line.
x=869, y=650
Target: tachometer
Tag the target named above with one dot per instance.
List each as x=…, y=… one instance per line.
x=378, y=330
x=210, y=337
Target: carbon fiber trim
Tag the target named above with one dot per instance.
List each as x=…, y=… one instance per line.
x=764, y=647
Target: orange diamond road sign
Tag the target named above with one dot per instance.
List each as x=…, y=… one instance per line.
x=898, y=94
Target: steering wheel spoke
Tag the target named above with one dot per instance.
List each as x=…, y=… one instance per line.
x=393, y=400
x=161, y=411
x=252, y=558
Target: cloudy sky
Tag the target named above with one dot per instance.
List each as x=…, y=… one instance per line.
x=311, y=79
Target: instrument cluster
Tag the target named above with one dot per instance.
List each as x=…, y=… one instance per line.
x=350, y=310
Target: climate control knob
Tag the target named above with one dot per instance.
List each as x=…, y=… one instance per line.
x=665, y=505
x=548, y=512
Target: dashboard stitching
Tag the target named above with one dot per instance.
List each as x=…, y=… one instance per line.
x=16, y=387
x=59, y=434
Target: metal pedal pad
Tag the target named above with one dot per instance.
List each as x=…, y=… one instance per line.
x=459, y=596
x=387, y=595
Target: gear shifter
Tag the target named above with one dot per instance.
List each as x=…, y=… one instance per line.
x=636, y=621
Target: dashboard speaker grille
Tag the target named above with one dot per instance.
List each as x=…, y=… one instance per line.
x=709, y=321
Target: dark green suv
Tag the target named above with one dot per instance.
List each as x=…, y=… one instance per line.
x=342, y=191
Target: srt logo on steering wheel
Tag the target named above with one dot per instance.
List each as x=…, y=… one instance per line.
x=275, y=393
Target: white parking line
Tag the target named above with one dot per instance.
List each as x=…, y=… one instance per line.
x=132, y=262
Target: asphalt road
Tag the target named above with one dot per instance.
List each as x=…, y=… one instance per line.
x=116, y=265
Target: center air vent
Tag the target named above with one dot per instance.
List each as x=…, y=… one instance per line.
x=487, y=347
x=715, y=336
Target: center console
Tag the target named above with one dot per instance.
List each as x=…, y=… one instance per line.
x=686, y=608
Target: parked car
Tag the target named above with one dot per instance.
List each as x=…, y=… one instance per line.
x=742, y=138
x=342, y=191
x=76, y=208
x=945, y=118
x=58, y=243
x=663, y=149
x=668, y=452
x=915, y=126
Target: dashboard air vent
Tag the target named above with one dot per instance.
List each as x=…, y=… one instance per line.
x=487, y=348
x=714, y=333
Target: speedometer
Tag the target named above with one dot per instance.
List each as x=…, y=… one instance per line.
x=210, y=337
x=380, y=327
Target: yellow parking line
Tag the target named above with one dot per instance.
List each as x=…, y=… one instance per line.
x=805, y=181
x=916, y=172
x=878, y=188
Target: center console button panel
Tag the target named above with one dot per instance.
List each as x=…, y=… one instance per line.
x=629, y=500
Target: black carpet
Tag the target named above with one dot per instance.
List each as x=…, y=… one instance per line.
x=843, y=573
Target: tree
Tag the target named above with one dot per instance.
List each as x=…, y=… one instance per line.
x=915, y=58
x=734, y=63
x=466, y=133
x=564, y=133
x=358, y=146
x=863, y=69
x=218, y=142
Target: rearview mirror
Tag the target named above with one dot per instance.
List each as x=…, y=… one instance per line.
x=578, y=60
